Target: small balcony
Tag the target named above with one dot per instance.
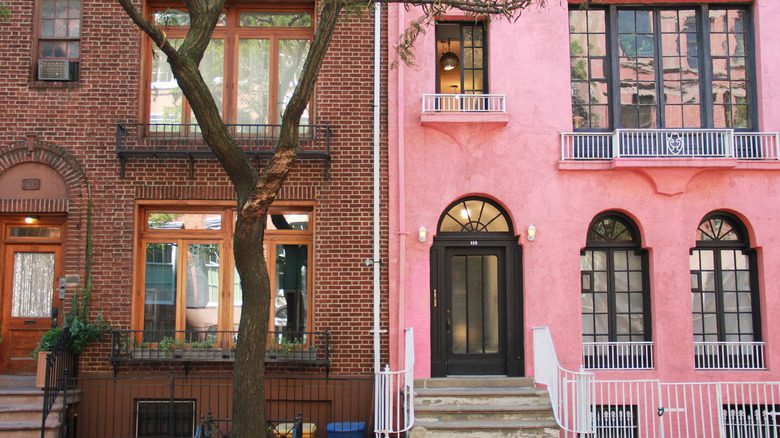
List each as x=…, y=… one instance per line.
x=442, y=110
x=148, y=346
x=670, y=143
x=169, y=140
x=729, y=355
x=617, y=355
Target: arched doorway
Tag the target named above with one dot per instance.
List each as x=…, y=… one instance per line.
x=43, y=189
x=476, y=299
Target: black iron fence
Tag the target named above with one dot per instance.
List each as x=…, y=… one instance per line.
x=60, y=371
x=185, y=406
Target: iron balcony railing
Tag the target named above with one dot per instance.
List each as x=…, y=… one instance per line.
x=214, y=346
x=617, y=355
x=729, y=355
x=670, y=143
x=178, y=140
x=464, y=103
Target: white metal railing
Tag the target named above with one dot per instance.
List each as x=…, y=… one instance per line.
x=729, y=355
x=617, y=355
x=587, y=407
x=570, y=392
x=670, y=143
x=394, y=395
x=465, y=103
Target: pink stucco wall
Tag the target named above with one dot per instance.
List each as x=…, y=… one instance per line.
x=518, y=164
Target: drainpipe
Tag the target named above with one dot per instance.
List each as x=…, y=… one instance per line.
x=376, y=264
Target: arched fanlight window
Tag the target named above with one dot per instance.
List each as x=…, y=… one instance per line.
x=615, y=289
x=474, y=215
x=724, y=283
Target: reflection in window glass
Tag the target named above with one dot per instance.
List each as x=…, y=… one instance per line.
x=275, y=19
x=254, y=77
x=160, y=290
x=184, y=221
x=288, y=221
x=166, y=96
x=35, y=232
x=290, y=303
x=292, y=54
x=202, y=287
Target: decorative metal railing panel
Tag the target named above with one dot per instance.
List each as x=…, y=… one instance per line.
x=670, y=143
x=214, y=346
x=464, y=103
x=394, y=395
x=729, y=355
x=617, y=355
x=177, y=140
x=61, y=368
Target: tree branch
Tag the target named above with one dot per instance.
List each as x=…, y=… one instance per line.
x=277, y=169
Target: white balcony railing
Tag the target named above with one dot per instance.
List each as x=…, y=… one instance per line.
x=394, y=395
x=617, y=355
x=586, y=407
x=670, y=143
x=729, y=355
x=464, y=103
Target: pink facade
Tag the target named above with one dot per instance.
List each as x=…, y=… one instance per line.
x=515, y=160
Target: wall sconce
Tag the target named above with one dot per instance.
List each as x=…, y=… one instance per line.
x=531, y=233
x=31, y=219
x=422, y=234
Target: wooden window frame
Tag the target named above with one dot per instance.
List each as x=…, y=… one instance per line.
x=231, y=33
x=223, y=237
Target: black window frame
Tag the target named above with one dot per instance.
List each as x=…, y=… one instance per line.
x=480, y=24
x=611, y=246
x=741, y=244
x=704, y=31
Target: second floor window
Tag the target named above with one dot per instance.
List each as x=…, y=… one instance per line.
x=251, y=66
x=58, y=43
x=668, y=67
x=461, y=53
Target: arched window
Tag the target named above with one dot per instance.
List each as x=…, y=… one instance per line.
x=474, y=215
x=724, y=282
x=615, y=291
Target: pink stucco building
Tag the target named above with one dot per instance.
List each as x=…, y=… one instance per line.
x=608, y=173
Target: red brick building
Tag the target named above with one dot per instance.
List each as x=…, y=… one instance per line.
x=91, y=113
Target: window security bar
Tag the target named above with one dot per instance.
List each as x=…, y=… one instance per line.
x=729, y=355
x=464, y=103
x=617, y=355
x=670, y=143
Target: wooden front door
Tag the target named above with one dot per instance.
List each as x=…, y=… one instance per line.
x=31, y=276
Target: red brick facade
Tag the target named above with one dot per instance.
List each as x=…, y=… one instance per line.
x=74, y=128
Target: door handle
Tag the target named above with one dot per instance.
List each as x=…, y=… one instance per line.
x=449, y=321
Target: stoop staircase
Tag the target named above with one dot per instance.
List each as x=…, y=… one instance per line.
x=21, y=408
x=482, y=407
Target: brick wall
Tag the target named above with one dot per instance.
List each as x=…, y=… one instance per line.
x=81, y=120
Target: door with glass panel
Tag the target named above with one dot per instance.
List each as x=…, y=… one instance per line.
x=31, y=273
x=474, y=321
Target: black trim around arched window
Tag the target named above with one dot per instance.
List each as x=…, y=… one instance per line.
x=615, y=286
x=724, y=282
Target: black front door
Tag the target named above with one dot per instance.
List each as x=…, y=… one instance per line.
x=472, y=323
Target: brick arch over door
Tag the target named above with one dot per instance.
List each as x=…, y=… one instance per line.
x=55, y=157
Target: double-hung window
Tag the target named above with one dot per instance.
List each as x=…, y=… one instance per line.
x=251, y=66
x=57, y=42
x=687, y=66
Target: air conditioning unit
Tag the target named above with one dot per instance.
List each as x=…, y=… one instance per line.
x=57, y=70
